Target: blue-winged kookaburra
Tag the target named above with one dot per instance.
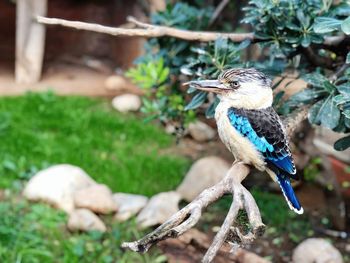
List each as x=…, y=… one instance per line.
x=250, y=128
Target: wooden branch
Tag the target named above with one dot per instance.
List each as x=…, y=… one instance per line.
x=316, y=59
x=218, y=11
x=187, y=217
x=30, y=41
x=242, y=199
x=146, y=30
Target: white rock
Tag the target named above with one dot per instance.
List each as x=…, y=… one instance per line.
x=201, y=131
x=56, y=185
x=97, y=198
x=159, y=208
x=85, y=220
x=316, y=250
x=204, y=173
x=116, y=82
x=126, y=103
x=128, y=205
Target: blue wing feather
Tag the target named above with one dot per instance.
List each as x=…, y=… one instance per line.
x=281, y=160
x=274, y=149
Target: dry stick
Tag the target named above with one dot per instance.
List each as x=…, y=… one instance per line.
x=147, y=30
x=218, y=10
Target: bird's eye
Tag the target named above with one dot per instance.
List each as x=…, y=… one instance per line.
x=235, y=84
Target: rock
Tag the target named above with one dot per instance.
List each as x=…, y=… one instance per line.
x=128, y=205
x=56, y=185
x=118, y=83
x=126, y=103
x=159, y=208
x=316, y=250
x=204, y=173
x=324, y=140
x=97, y=198
x=85, y=220
x=201, y=131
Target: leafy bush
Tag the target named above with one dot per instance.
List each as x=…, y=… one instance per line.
x=310, y=36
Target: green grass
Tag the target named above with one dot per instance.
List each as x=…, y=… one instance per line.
x=119, y=150
x=34, y=233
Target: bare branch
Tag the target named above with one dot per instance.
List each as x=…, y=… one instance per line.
x=188, y=216
x=317, y=60
x=147, y=30
x=294, y=120
x=218, y=10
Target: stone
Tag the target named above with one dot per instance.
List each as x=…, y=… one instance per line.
x=118, y=83
x=56, y=185
x=85, y=220
x=316, y=250
x=128, y=205
x=204, y=173
x=159, y=208
x=201, y=131
x=97, y=198
x=126, y=103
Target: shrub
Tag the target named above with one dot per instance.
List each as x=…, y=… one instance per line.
x=310, y=36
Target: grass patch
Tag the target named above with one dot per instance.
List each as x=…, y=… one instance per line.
x=38, y=130
x=34, y=233
x=120, y=150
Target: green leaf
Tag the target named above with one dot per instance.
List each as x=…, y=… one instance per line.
x=346, y=113
x=347, y=61
x=328, y=86
x=342, y=144
x=305, y=42
x=345, y=26
x=314, y=116
x=329, y=114
x=341, y=99
x=326, y=25
x=196, y=101
x=315, y=79
x=209, y=113
x=307, y=95
x=244, y=44
x=344, y=89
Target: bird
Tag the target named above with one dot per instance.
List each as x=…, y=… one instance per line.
x=250, y=128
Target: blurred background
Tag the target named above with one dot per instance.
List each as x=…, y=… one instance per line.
x=100, y=143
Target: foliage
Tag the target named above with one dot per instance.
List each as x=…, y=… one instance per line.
x=31, y=233
x=310, y=36
x=38, y=130
x=160, y=100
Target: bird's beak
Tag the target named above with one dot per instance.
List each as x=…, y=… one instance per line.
x=215, y=86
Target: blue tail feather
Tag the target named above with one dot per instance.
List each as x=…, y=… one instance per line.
x=289, y=194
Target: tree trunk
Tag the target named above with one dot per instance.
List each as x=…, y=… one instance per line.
x=30, y=40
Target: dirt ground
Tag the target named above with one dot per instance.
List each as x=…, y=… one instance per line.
x=62, y=78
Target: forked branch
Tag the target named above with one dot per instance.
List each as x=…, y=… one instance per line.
x=146, y=30
x=187, y=217
x=242, y=199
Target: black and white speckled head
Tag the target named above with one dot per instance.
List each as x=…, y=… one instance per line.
x=239, y=87
x=241, y=76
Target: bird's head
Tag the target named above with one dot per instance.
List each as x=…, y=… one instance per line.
x=242, y=88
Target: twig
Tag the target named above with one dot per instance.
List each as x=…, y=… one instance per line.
x=294, y=120
x=147, y=30
x=339, y=72
x=218, y=10
x=317, y=60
